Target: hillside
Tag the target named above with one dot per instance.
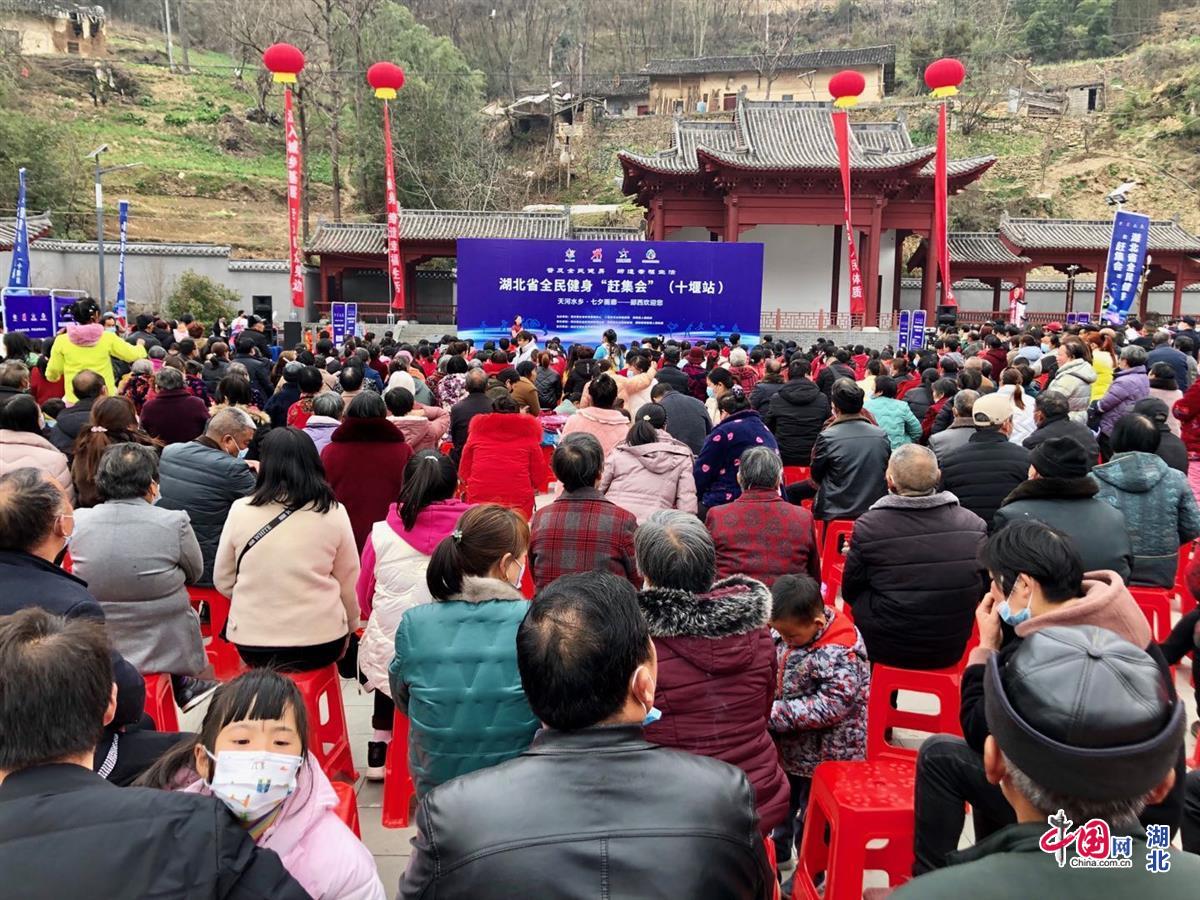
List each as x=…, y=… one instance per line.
x=208, y=173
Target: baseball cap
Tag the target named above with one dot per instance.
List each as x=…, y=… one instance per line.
x=991, y=410
x=1054, y=326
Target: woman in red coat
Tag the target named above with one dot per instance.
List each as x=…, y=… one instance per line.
x=364, y=463
x=716, y=658
x=502, y=461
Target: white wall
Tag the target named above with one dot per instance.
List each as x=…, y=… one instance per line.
x=797, y=273
x=691, y=233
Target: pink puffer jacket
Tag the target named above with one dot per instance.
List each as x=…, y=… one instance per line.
x=648, y=477
x=24, y=450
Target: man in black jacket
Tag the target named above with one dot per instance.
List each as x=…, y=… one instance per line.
x=770, y=385
x=89, y=387
x=839, y=367
x=1051, y=415
x=259, y=369
x=591, y=802
x=66, y=832
x=143, y=333
x=256, y=333
x=796, y=415
x=912, y=573
x=985, y=471
x=476, y=402
x=1171, y=448
x=1060, y=494
x=670, y=373
x=687, y=417
x=849, y=458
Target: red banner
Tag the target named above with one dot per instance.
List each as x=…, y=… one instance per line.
x=395, y=268
x=940, y=238
x=841, y=134
x=295, y=263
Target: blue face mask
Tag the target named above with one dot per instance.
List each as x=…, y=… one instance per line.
x=711, y=391
x=242, y=453
x=1004, y=610
x=651, y=717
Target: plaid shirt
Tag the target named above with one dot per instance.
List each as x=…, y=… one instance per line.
x=581, y=532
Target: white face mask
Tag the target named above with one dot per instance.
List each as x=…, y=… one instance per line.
x=251, y=782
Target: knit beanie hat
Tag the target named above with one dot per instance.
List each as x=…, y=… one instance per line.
x=1062, y=457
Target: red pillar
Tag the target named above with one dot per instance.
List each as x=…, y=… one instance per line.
x=731, y=217
x=1143, y=296
x=658, y=230
x=1098, y=300
x=929, y=281
x=898, y=272
x=996, y=296
x=1177, y=297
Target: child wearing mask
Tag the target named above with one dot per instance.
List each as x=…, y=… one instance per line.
x=820, y=709
x=252, y=755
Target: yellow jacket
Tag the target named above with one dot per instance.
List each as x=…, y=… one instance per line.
x=88, y=347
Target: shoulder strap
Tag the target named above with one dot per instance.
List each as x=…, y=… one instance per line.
x=259, y=535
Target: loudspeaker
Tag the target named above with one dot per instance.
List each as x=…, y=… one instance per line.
x=293, y=334
x=262, y=307
x=947, y=315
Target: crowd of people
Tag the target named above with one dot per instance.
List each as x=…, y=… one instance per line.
x=591, y=578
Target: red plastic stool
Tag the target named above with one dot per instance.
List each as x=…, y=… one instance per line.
x=328, y=738
x=1155, y=604
x=160, y=702
x=222, y=655
x=882, y=716
x=793, y=474
x=445, y=447
x=858, y=802
x=397, y=782
x=777, y=894
x=835, y=543
x=347, y=806
x=1187, y=601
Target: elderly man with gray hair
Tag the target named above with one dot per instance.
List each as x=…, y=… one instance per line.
x=138, y=559
x=173, y=414
x=716, y=657
x=204, y=477
x=943, y=443
x=760, y=534
x=913, y=577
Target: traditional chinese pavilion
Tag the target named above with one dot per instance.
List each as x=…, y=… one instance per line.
x=771, y=175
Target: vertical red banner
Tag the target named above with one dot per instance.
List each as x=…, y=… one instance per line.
x=941, y=237
x=395, y=267
x=841, y=134
x=295, y=263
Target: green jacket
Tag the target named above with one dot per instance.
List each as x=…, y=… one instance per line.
x=1010, y=864
x=455, y=674
x=896, y=418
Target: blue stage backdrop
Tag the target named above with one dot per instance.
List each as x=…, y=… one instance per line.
x=576, y=289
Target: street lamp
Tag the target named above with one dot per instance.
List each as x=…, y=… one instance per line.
x=100, y=173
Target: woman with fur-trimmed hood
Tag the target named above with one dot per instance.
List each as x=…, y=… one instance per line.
x=716, y=658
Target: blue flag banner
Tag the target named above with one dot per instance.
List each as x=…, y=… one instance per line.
x=18, y=275
x=1126, y=260
x=576, y=290
x=902, y=331
x=119, y=306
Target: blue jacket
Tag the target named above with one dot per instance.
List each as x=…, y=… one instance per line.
x=716, y=466
x=896, y=418
x=1159, y=508
x=455, y=673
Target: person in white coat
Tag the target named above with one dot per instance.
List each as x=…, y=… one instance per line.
x=392, y=578
x=1010, y=386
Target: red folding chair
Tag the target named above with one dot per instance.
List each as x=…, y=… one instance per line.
x=160, y=702
x=222, y=655
x=835, y=544
x=1187, y=600
x=328, y=737
x=397, y=782
x=793, y=474
x=347, y=806
x=770, y=845
x=1155, y=604
x=883, y=716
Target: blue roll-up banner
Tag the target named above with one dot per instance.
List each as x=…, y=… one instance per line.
x=119, y=306
x=18, y=275
x=903, y=329
x=1126, y=261
x=917, y=339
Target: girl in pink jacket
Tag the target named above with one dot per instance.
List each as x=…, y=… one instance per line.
x=252, y=755
x=650, y=470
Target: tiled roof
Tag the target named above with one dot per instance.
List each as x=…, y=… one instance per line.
x=607, y=234
x=1093, y=234
x=785, y=135
x=35, y=226
x=982, y=247
x=817, y=59
x=258, y=265
x=619, y=86
x=437, y=225
x=133, y=249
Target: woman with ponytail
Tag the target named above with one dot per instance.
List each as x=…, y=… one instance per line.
x=455, y=671
x=392, y=578
x=113, y=421
x=650, y=470
x=1011, y=381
